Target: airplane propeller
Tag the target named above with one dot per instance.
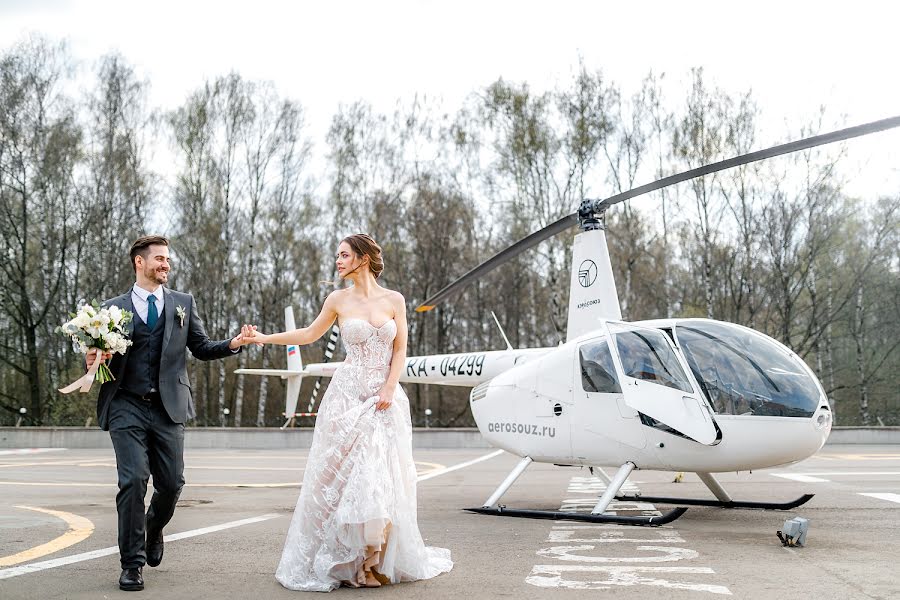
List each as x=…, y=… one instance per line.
x=591, y=209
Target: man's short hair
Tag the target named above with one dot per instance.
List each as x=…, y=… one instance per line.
x=141, y=247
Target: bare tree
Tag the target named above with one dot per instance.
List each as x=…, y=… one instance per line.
x=40, y=142
x=699, y=140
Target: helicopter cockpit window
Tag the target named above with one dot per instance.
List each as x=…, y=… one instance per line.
x=646, y=355
x=597, y=371
x=744, y=373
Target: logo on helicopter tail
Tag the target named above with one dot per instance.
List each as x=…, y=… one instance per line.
x=587, y=273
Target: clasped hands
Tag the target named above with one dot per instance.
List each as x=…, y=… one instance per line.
x=247, y=336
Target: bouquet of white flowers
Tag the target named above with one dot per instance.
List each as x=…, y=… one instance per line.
x=96, y=329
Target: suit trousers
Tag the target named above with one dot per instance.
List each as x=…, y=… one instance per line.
x=147, y=442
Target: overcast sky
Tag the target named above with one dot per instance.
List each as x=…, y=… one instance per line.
x=795, y=56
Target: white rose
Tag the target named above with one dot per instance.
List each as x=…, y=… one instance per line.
x=115, y=314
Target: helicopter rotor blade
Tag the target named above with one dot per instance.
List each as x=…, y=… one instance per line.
x=804, y=144
x=601, y=205
x=498, y=259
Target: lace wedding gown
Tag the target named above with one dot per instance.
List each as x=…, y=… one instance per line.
x=355, y=521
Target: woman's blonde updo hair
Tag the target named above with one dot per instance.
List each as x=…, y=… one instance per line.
x=364, y=245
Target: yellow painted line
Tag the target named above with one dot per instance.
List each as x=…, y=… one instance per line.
x=68, y=560
x=80, y=529
x=431, y=467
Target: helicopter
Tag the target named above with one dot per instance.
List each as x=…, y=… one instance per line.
x=677, y=394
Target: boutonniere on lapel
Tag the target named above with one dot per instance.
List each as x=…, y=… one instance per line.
x=179, y=312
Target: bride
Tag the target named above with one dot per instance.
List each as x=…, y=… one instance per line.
x=355, y=521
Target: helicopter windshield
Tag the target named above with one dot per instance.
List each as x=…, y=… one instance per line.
x=646, y=355
x=744, y=373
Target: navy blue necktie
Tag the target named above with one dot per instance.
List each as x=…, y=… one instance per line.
x=152, y=314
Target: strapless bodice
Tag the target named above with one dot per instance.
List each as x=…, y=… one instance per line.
x=367, y=345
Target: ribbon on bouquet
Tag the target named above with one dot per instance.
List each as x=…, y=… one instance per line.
x=83, y=384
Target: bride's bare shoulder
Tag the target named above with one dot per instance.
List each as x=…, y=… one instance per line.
x=396, y=299
x=336, y=298
x=392, y=295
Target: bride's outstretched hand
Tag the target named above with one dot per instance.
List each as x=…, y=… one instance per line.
x=250, y=335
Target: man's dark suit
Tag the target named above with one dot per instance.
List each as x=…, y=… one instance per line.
x=145, y=414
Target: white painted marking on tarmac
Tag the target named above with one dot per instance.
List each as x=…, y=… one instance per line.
x=57, y=484
x=841, y=473
x=29, y=451
x=68, y=560
x=203, y=531
x=659, y=554
x=819, y=477
x=800, y=477
x=605, y=543
x=287, y=484
x=551, y=576
x=882, y=496
x=70, y=463
x=462, y=465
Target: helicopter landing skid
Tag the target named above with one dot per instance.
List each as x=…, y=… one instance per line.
x=721, y=504
x=502, y=511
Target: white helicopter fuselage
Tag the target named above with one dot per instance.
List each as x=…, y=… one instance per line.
x=548, y=410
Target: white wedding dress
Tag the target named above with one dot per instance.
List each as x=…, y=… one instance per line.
x=355, y=521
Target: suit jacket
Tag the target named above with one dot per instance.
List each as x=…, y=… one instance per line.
x=174, y=385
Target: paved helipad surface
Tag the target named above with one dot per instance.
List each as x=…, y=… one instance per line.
x=58, y=520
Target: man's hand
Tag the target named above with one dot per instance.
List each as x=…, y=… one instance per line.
x=92, y=354
x=236, y=342
x=250, y=335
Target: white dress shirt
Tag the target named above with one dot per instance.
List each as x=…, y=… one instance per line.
x=141, y=305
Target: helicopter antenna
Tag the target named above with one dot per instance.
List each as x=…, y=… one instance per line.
x=503, y=333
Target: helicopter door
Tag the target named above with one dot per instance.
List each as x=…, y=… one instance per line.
x=655, y=383
x=600, y=412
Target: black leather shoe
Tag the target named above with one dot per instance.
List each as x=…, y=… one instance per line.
x=131, y=580
x=154, y=547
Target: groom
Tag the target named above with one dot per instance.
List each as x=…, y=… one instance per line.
x=145, y=407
